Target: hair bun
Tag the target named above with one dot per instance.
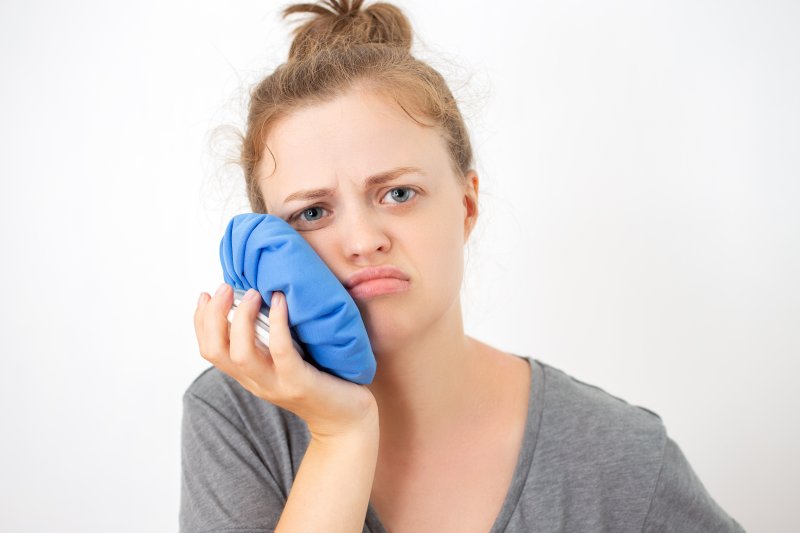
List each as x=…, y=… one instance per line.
x=344, y=23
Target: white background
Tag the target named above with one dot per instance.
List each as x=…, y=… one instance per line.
x=640, y=166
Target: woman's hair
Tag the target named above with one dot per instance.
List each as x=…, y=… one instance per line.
x=344, y=46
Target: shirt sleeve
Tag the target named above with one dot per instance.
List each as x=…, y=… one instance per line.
x=681, y=503
x=225, y=485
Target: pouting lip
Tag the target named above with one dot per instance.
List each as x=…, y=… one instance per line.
x=366, y=274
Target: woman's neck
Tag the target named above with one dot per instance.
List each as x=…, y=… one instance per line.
x=433, y=385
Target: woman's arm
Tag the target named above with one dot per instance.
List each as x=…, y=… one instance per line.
x=235, y=479
x=333, y=484
x=334, y=480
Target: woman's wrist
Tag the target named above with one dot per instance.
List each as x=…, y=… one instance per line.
x=366, y=428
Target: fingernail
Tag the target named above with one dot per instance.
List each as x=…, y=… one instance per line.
x=276, y=298
x=250, y=295
x=199, y=299
x=219, y=289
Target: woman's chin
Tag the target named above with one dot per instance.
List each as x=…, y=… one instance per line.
x=387, y=335
x=391, y=321
x=381, y=347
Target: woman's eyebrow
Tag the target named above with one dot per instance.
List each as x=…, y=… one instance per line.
x=376, y=179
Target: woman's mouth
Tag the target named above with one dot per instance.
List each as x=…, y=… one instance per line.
x=375, y=281
x=377, y=287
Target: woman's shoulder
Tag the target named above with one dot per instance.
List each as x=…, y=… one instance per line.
x=584, y=426
x=216, y=397
x=239, y=455
x=598, y=455
x=590, y=407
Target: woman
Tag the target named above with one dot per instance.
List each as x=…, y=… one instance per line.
x=362, y=149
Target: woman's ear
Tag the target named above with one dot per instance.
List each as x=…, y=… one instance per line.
x=470, y=202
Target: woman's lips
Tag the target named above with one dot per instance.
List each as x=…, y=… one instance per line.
x=377, y=287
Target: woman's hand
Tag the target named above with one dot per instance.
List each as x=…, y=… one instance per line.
x=331, y=406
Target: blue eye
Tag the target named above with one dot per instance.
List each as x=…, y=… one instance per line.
x=310, y=210
x=315, y=213
x=403, y=197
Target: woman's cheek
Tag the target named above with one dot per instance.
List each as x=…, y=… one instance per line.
x=444, y=256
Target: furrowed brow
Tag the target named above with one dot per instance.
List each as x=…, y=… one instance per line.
x=372, y=181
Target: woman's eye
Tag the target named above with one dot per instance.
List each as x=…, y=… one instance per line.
x=404, y=195
x=311, y=212
x=309, y=215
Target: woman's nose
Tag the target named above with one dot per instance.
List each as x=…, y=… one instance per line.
x=363, y=235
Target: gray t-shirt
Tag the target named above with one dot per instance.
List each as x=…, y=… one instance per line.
x=589, y=462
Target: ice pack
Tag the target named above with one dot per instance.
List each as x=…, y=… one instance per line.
x=265, y=253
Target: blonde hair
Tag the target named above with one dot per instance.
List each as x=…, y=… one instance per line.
x=343, y=46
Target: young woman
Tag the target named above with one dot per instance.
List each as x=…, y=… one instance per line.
x=362, y=149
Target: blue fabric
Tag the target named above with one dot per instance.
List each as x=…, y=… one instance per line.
x=265, y=253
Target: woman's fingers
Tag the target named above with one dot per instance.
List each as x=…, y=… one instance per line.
x=285, y=357
x=244, y=354
x=198, y=320
x=215, y=326
x=273, y=373
x=278, y=374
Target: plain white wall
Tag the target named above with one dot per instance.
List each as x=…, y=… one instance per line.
x=640, y=226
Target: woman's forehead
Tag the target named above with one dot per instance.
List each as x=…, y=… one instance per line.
x=354, y=124
x=355, y=135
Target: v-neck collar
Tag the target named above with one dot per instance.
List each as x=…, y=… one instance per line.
x=524, y=461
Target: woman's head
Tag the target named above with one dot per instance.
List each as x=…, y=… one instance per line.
x=340, y=47
x=352, y=113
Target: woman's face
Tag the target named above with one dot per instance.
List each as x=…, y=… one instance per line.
x=416, y=219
